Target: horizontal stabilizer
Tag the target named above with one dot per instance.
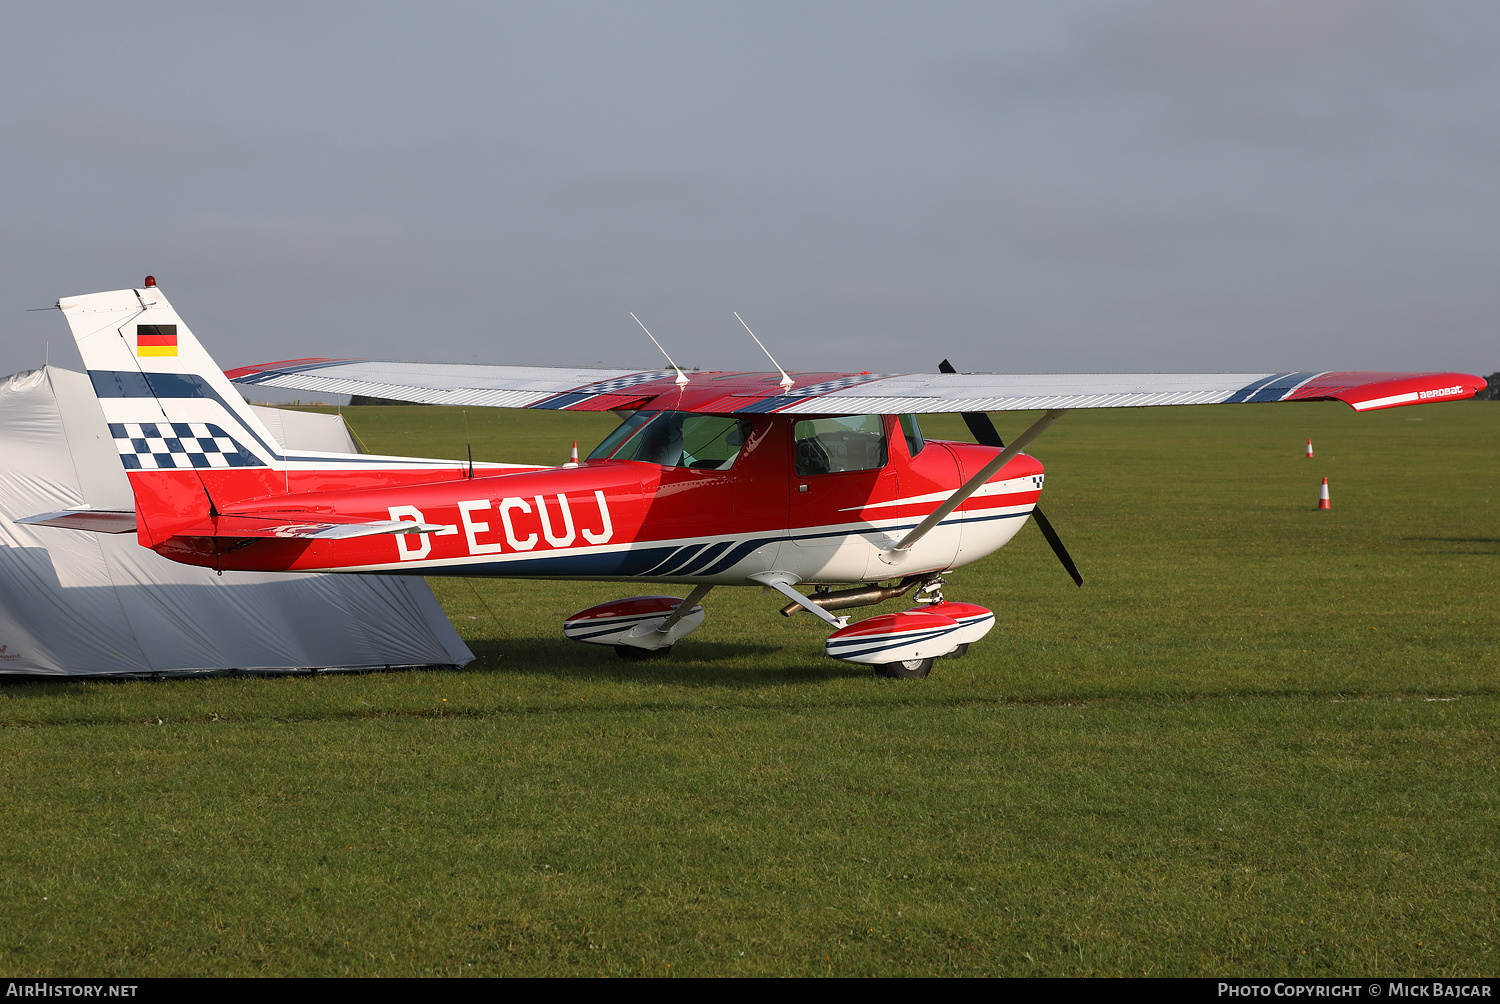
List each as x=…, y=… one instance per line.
x=315, y=529
x=84, y=518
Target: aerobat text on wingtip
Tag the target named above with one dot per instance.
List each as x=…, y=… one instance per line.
x=728, y=479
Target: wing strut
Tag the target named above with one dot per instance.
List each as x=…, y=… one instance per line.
x=782, y=582
x=683, y=609
x=985, y=434
x=974, y=484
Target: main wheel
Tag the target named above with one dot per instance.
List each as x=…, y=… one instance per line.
x=641, y=654
x=958, y=653
x=911, y=669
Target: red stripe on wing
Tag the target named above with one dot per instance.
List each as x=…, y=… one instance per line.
x=1374, y=391
x=243, y=371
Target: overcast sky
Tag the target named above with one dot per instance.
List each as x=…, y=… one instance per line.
x=1276, y=184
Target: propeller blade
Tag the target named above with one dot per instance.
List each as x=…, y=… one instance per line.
x=1045, y=525
x=984, y=432
x=980, y=427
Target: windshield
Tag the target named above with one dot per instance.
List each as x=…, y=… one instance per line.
x=913, y=431
x=676, y=439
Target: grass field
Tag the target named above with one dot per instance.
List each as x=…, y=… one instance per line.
x=1261, y=740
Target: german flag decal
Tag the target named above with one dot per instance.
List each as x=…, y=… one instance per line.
x=156, y=339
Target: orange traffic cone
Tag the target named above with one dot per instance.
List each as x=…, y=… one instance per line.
x=1324, y=502
x=1309, y=449
x=573, y=460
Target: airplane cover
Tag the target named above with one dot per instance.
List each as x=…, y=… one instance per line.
x=75, y=602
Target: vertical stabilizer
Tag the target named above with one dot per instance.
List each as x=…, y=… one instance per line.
x=185, y=436
x=194, y=450
x=168, y=405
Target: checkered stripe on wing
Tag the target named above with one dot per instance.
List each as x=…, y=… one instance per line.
x=616, y=384
x=165, y=446
x=829, y=386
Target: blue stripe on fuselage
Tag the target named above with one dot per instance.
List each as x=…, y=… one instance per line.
x=739, y=552
x=610, y=564
x=707, y=557
x=699, y=560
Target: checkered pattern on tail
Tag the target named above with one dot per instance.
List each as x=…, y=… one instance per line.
x=165, y=446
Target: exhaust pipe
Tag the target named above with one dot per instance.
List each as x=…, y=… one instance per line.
x=861, y=596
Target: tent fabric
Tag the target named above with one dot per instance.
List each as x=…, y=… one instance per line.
x=79, y=603
x=307, y=430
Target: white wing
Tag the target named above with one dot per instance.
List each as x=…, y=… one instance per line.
x=588, y=389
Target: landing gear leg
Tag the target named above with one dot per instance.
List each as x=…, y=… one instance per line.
x=930, y=592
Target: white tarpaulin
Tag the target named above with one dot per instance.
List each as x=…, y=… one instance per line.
x=74, y=602
x=307, y=430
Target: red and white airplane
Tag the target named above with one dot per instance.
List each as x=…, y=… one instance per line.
x=714, y=479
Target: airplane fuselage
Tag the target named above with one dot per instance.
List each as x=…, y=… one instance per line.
x=617, y=519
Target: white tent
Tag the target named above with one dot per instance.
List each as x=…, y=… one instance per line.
x=74, y=602
x=307, y=430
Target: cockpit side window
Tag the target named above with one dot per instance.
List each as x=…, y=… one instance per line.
x=626, y=429
x=677, y=439
x=847, y=443
x=913, y=431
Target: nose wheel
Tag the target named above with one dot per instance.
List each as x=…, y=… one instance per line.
x=632, y=654
x=902, y=646
x=911, y=669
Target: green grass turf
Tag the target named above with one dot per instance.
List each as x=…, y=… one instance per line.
x=1261, y=740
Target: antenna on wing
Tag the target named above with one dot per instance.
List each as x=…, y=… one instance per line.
x=786, y=381
x=468, y=443
x=682, y=379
